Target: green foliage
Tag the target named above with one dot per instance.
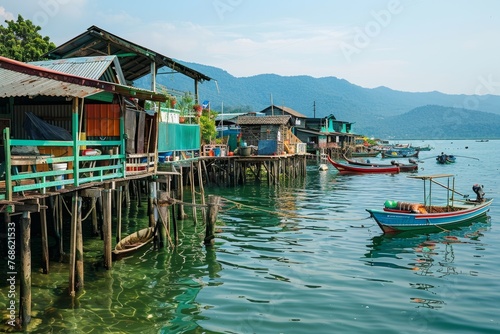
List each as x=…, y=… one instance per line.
x=21, y=41
x=185, y=105
x=207, y=126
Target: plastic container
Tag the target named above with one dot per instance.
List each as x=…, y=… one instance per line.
x=60, y=166
x=216, y=151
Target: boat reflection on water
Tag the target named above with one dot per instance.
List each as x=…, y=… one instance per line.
x=429, y=256
x=424, y=246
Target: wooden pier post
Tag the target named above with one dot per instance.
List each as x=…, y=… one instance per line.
x=163, y=227
x=45, y=239
x=151, y=201
x=193, y=193
x=106, y=228
x=76, y=246
x=119, y=213
x=202, y=191
x=79, y=245
x=25, y=290
x=212, y=211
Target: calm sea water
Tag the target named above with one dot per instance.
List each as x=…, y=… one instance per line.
x=302, y=257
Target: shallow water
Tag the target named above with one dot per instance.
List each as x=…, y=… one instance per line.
x=302, y=257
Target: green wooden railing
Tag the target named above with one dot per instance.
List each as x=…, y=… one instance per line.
x=20, y=173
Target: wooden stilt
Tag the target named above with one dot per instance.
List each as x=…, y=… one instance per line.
x=151, y=200
x=163, y=229
x=107, y=228
x=127, y=194
x=60, y=219
x=202, y=190
x=72, y=252
x=174, y=226
x=212, y=211
x=79, y=245
x=45, y=239
x=119, y=214
x=95, y=224
x=25, y=290
x=193, y=193
x=180, y=187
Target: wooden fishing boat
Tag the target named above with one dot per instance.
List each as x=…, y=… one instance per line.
x=371, y=154
x=409, y=167
x=400, y=153
x=444, y=159
x=347, y=168
x=133, y=242
x=409, y=216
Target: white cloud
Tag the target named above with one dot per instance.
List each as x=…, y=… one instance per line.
x=5, y=15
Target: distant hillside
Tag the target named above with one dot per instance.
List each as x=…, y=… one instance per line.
x=438, y=122
x=374, y=111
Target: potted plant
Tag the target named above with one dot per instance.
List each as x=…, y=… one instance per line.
x=172, y=101
x=198, y=109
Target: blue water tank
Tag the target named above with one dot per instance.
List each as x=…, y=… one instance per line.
x=267, y=147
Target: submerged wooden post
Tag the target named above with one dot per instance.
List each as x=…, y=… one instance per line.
x=180, y=191
x=193, y=193
x=106, y=228
x=76, y=246
x=151, y=201
x=163, y=228
x=25, y=290
x=79, y=245
x=45, y=240
x=59, y=209
x=202, y=191
x=213, y=209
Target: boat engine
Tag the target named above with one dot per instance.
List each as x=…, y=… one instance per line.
x=478, y=189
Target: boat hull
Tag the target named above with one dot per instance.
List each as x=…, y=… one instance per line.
x=365, y=154
x=396, y=154
x=393, y=221
x=402, y=167
x=132, y=243
x=346, y=168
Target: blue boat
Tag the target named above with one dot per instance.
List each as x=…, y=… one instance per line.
x=445, y=159
x=405, y=152
x=398, y=216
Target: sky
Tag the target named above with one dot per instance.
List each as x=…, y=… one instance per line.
x=450, y=46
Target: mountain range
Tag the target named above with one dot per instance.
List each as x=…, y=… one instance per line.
x=377, y=112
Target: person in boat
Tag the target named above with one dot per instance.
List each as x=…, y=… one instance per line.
x=442, y=158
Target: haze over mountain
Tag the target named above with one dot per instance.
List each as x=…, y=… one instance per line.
x=378, y=112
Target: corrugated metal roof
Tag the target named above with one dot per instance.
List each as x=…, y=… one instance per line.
x=280, y=109
x=263, y=120
x=135, y=60
x=21, y=79
x=87, y=67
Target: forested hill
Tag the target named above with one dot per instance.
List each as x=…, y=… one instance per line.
x=378, y=112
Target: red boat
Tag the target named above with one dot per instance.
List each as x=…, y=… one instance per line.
x=410, y=167
x=346, y=168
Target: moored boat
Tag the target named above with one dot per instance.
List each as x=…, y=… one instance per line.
x=400, y=153
x=409, y=167
x=444, y=159
x=371, y=154
x=399, y=216
x=347, y=168
x=133, y=242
